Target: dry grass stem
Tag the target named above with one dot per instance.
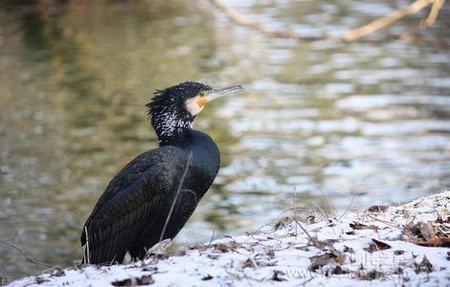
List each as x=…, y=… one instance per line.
x=172, y=207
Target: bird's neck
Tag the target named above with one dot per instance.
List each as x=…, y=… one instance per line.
x=175, y=138
x=172, y=127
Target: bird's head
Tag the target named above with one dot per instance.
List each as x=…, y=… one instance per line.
x=173, y=110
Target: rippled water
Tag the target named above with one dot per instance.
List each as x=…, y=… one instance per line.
x=322, y=121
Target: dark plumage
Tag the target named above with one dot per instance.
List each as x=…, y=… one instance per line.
x=131, y=213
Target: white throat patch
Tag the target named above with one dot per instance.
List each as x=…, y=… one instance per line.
x=193, y=107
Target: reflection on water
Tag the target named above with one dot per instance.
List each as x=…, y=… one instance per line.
x=318, y=119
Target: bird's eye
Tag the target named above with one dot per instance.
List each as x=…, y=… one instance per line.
x=201, y=94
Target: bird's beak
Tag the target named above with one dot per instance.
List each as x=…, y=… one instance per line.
x=218, y=93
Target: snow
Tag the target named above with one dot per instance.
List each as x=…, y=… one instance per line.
x=366, y=248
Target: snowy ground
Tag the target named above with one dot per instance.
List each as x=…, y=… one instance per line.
x=383, y=246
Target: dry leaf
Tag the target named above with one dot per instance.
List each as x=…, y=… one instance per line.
x=377, y=245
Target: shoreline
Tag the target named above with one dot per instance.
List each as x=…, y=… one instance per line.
x=386, y=245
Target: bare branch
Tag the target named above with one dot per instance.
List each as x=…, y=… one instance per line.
x=243, y=20
x=386, y=21
x=352, y=35
x=313, y=240
x=437, y=5
x=26, y=255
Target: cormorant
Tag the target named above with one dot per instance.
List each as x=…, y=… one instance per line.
x=131, y=214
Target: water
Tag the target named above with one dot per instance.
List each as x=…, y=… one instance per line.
x=321, y=120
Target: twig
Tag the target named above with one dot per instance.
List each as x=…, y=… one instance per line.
x=283, y=212
x=176, y=196
x=243, y=20
x=295, y=208
x=27, y=256
x=255, y=265
x=306, y=232
x=211, y=239
x=348, y=207
x=306, y=281
x=437, y=5
x=352, y=35
x=328, y=202
x=386, y=20
x=86, y=250
x=321, y=211
x=383, y=221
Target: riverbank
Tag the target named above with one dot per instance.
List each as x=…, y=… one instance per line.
x=388, y=245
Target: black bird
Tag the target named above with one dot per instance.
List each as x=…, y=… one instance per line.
x=131, y=214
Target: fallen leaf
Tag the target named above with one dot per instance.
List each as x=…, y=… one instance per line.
x=56, y=272
x=222, y=247
x=441, y=220
x=125, y=282
x=348, y=249
x=150, y=268
x=424, y=266
x=270, y=252
x=378, y=208
x=376, y=245
x=207, y=277
x=322, y=243
x=282, y=222
x=276, y=276
x=40, y=280
x=421, y=231
x=334, y=258
x=436, y=242
x=159, y=250
x=311, y=219
x=424, y=234
x=371, y=275
x=359, y=226
x=212, y=256
x=248, y=263
x=144, y=280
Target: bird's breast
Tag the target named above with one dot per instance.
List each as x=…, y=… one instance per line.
x=205, y=162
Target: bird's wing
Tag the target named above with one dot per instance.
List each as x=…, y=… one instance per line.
x=128, y=200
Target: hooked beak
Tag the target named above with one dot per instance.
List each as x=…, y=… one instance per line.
x=218, y=93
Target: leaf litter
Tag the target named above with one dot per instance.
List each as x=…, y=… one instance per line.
x=386, y=246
